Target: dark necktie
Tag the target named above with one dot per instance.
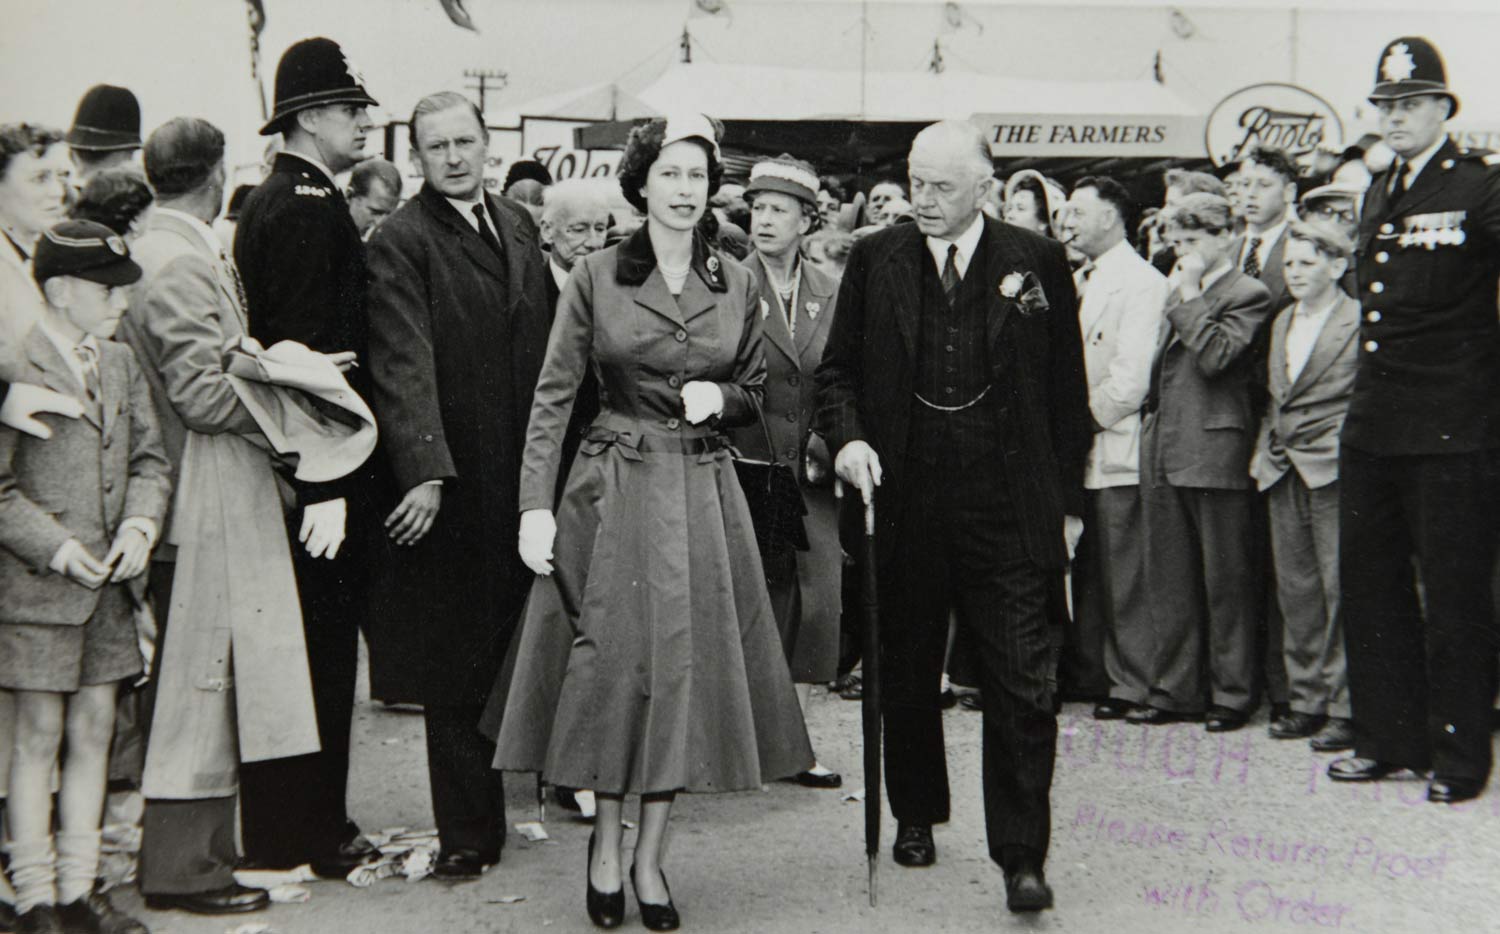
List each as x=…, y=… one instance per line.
x=90, y=367
x=1398, y=184
x=951, y=278
x=485, y=234
x=1252, y=262
x=1085, y=272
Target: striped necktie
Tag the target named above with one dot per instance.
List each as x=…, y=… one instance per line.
x=89, y=363
x=951, y=278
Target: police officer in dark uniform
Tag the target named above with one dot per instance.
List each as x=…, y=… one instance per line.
x=1419, y=445
x=303, y=266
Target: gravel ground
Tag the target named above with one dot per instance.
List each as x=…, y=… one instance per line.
x=1160, y=829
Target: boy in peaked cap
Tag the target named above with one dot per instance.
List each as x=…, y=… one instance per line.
x=79, y=515
x=1419, y=445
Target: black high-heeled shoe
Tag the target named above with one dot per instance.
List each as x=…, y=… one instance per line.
x=606, y=909
x=656, y=917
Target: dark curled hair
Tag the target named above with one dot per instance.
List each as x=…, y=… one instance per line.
x=1110, y=190
x=16, y=138
x=1275, y=160
x=641, y=151
x=114, y=198
x=1038, y=198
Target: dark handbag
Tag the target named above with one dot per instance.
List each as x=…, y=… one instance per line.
x=775, y=500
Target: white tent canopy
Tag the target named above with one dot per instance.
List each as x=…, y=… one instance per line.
x=767, y=92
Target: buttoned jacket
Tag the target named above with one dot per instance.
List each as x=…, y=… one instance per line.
x=1304, y=418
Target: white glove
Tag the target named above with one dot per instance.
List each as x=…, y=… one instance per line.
x=1072, y=532
x=701, y=401
x=24, y=401
x=323, y=528
x=858, y=465
x=538, y=531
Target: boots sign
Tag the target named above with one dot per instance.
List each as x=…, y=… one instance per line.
x=1280, y=116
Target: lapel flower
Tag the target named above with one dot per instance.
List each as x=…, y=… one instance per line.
x=713, y=264
x=813, y=308
x=1010, y=286
x=1033, y=300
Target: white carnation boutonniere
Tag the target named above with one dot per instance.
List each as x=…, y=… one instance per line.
x=812, y=309
x=1026, y=291
x=1010, y=286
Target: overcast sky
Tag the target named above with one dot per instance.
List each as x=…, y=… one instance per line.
x=191, y=56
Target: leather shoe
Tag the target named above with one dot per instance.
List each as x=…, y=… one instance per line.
x=948, y=700
x=1296, y=725
x=1155, y=716
x=350, y=855
x=1337, y=735
x=1113, y=708
x=1026, y=889
x=1453, y=790
x=232, y=899
x=42, y=919
x=1225, y=719
x=96, y=914
x=1357, y=769
x=606, y=909
x=914, y=846
x=461, y=864
x=817, y=779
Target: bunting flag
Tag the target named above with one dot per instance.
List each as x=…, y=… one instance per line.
x=708, y=8
x=459, y=15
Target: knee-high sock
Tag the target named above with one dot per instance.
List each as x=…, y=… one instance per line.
x=33, y=871
x=77, y=864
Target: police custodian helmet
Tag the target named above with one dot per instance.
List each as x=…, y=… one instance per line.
x=1408, y=67
x=312, y=73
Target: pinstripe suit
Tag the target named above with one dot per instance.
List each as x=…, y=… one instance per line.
x=979, y=535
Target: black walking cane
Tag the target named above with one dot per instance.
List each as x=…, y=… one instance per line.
x=870, y=702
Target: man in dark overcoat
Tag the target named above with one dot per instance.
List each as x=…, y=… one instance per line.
x=1417, y=454
x=459, y=320
x=953, y=381
x=303, y=267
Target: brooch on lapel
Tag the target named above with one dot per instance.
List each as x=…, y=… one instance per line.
x=1025, y=291
x=713, y=264
x=812, y=309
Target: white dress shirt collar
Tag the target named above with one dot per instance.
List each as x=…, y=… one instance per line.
x=466, y=209
x=1267, y=237
x=559, y=274
x=1215, y=274
x=65, y=347
x=1302, y=332
x=967, y=243
x=205, y=233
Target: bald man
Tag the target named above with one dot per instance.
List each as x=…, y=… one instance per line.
x=953, y=390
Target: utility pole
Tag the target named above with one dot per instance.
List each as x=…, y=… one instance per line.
x=484, y=80
x=936, y=64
